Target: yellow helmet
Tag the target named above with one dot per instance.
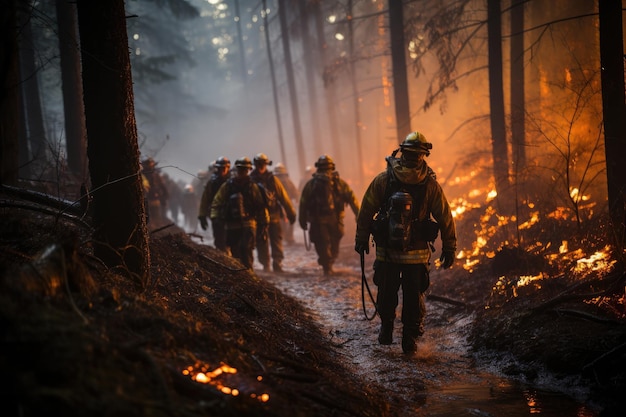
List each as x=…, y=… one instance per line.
x=261, y=159
x=280, y=169
x=325, y=163
x=416, y=142
x=243, y=162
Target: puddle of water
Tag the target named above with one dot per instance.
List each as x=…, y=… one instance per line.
x=499, y=398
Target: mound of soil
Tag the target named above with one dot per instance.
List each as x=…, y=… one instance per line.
x=206, y=338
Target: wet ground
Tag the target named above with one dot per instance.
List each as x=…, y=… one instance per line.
x=443, y=378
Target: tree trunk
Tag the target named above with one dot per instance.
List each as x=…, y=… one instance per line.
x=73, y=109
x=309, y=66
x=496, y=99
x=279, y=125
x=30, y=95
x=121, y=237
x=329, y=92
x=518, y=105
x=612, y=75
x=9, y=94
x=355, y=95
x=242, y=51
x=398, y=63
x=291, y=84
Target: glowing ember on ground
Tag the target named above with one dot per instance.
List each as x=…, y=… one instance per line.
x=201, y=374
x=596, y=262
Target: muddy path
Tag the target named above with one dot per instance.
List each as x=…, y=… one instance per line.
x=443, y=378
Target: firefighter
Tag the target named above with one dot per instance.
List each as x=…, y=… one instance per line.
x=220, y=174
x=403, y=259
x=277, y=202
x=280, y=172
x=241, y=206
x=322, y=204
x=157, y=194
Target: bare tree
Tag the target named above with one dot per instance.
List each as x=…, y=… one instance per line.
x=118, y=210
x=496, y=98
x=73, y=109
x=612, y=73
x=518, y=104
x=9, y=93
x=398, y=62
x=291, y=84
x=34, y=132
x=330, y=93
x=309, y=68
x=571, y=139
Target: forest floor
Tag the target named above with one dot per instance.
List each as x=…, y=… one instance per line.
x=207, y=337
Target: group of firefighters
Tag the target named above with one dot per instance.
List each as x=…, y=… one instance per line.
x=251, y=207
x=404, y=210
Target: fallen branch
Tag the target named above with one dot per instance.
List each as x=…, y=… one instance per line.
x=587, y=316
x=44, y=199
x=605, y=356
x=568, y=296
x=441, y=299
x=192, y=234
x=45, y=210
x=161, y=228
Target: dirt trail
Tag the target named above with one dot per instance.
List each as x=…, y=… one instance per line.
x=441, y=379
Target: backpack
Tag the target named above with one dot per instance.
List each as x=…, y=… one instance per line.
x=269, y=195
x=236, y=209
x=399, y=220
x=322, y=201
x=396, y=225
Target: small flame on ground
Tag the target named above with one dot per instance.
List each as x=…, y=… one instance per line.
x=201, y=374
x=596, y=262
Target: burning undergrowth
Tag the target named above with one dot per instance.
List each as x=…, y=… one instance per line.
x=554, y=291
x=207, y=338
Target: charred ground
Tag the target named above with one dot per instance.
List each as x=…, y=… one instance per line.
x=80, y=339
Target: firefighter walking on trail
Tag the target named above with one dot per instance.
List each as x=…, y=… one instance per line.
x=157, y=194
x=277, y=202
x=397, y=210
x=240, y=204
x=322, y=204
x=280, y=172
x=219, y=177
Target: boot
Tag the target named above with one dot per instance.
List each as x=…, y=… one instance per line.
x=266, y=268
x=385, y=337
x=409, y=341
x=277, y=267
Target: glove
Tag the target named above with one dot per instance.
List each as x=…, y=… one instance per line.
x=203, y=222
x=362, y=247
x=303, y=225
x=292, y=219
x=447, y=258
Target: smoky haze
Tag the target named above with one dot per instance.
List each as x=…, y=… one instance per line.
x=193, y=104
x=217, y=112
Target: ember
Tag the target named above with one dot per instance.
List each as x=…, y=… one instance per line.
x=201, y=374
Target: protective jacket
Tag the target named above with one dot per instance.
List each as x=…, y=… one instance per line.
x=434, y=203
x=210, y=189
x=256, y=212
x=342, y=196
x=276, y=196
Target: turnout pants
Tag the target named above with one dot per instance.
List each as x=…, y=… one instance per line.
x=241, y=242
x=414, y=280
x=274, y=240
